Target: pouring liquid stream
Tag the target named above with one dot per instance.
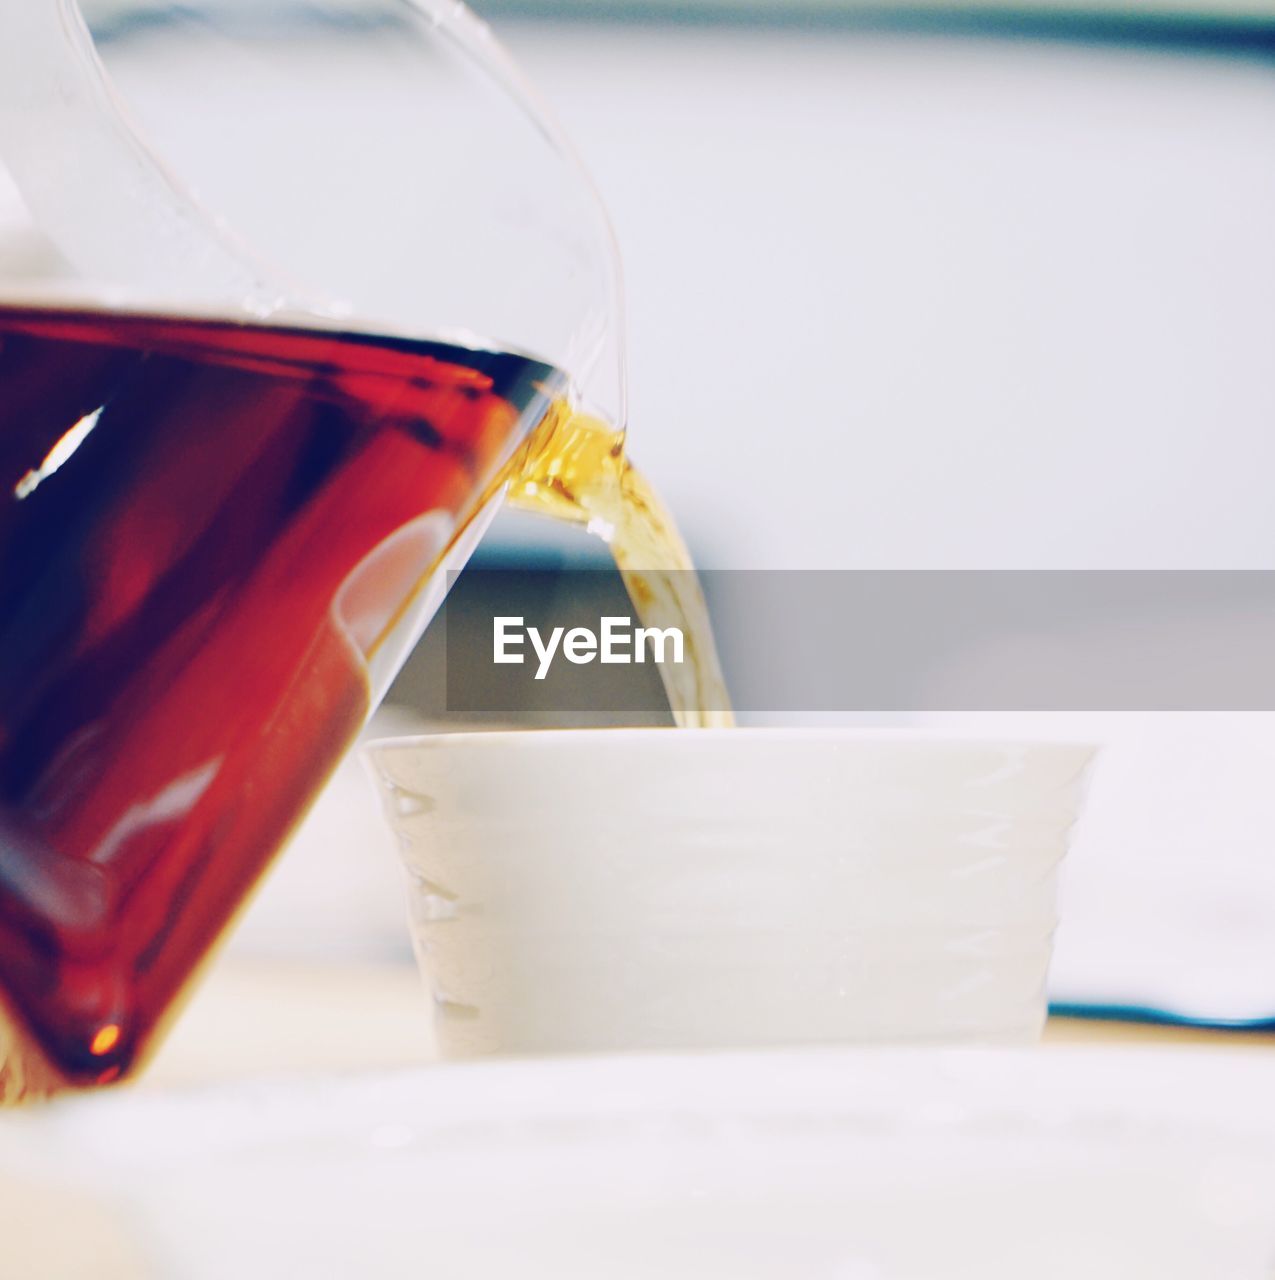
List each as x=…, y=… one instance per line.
x=574, y=468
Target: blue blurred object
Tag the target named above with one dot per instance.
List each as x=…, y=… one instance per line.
x=1143, y=1015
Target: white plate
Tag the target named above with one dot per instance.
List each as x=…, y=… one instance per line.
x=849, y=1164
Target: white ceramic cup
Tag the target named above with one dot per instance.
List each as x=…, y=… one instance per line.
x=582, y=890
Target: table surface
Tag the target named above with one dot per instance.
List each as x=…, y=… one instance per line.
x=252, y=1017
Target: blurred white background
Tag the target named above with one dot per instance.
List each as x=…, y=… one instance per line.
x=905, y=301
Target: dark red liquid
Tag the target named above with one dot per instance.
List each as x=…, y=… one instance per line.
x=187, y=604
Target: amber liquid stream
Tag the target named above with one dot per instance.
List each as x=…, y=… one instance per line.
x=574, y=468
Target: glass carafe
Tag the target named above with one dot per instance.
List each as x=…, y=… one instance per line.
x=283, y=286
